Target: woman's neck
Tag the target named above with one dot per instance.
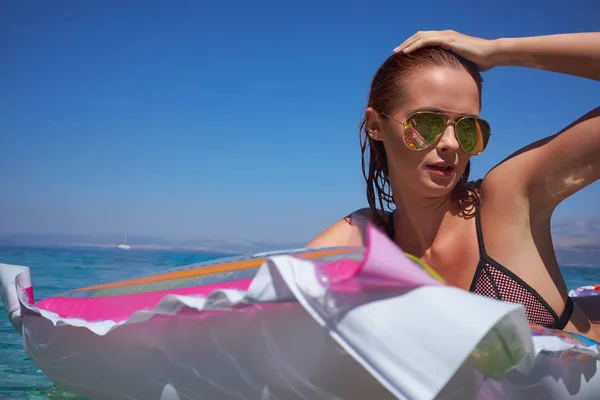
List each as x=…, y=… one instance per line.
x=418, y=221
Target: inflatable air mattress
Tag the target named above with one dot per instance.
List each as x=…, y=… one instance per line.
x=341, y=323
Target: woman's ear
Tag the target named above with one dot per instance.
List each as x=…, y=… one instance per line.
x=374, y=124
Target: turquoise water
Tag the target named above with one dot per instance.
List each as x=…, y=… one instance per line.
x=55, y=270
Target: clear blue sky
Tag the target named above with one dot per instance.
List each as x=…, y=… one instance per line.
x=196, y=119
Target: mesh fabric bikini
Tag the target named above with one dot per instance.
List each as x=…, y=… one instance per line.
x=493, y=280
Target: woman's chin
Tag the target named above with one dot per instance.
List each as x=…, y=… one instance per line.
x=428, y=186
x=439, y=187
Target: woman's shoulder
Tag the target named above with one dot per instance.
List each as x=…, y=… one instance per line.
x=347, y=231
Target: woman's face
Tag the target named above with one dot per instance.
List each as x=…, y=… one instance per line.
x=451, y=91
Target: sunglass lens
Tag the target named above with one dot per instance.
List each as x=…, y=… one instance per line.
x=421, y=130
x=473, y=135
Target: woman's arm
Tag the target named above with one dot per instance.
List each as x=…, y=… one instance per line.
x=573, y=53
x=556, y=167
x=552, y=169
x=570, y=53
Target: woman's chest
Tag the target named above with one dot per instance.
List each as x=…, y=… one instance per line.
x=512, y=251
x=455, y=256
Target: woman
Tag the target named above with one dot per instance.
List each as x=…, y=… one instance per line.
x=491, y=237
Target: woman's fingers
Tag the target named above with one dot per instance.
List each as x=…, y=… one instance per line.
x=476, y=50
x=424, y=39
x=411, y=40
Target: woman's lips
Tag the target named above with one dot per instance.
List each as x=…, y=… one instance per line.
x=441, y=169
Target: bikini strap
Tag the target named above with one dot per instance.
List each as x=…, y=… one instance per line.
x=480, y=242
x=565, y=317
x=391, y=229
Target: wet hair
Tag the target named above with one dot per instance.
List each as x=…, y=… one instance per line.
x=386, y=93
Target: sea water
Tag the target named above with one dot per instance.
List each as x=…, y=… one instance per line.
x=55, y=270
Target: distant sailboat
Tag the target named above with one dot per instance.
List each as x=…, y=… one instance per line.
x=124, y=245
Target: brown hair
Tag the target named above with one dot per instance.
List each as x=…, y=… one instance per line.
x=384, y=96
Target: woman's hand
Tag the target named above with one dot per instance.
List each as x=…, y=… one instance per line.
x=479, y=51
x=575, y=54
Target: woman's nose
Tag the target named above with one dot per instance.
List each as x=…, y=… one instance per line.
x=448, y=142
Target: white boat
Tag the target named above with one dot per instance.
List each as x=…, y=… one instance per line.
x=124, y=245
